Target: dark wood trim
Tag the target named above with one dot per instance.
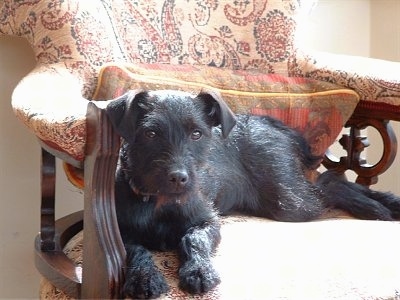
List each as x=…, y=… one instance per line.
x=103, y=251
x=53, y=264
x=47, y=207
x=377, y=110
x=354, y=143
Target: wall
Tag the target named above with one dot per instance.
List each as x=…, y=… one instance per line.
x=340, y=26
x=385, y=44
x=20, y=182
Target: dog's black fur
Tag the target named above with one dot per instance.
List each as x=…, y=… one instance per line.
x=186, y=159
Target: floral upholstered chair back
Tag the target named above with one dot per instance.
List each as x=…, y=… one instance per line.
x=254, y=34
x=74, y=39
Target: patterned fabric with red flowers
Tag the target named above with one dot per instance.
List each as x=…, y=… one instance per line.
x=72, y=39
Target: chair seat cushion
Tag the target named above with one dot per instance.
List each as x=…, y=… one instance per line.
x=332, y=258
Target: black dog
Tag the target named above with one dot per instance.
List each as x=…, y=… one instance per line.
x=186, y=159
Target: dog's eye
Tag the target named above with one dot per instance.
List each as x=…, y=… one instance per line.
x=196, y=135
x=150, y=134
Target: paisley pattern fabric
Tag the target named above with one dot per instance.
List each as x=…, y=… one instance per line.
x=72, y=39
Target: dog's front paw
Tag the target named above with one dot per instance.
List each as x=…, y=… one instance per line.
x=144, y=283
x=198, y=277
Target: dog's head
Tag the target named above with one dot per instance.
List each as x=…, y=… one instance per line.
x=167, y=135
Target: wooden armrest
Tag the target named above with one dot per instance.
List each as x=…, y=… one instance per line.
x=103, y=251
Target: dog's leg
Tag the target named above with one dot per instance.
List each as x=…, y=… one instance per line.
x=387, y=199
x=142, y=278
x=358, y=200
x=196, y=273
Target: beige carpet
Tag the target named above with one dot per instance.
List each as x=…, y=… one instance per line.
x=325, y=259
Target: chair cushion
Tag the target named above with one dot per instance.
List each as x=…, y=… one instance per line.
x=317, y=109
x=335, y=257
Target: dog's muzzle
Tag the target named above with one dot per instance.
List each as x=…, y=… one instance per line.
x=178, y=179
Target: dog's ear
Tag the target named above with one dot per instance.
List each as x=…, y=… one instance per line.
x=218, y=111
x=124, y=111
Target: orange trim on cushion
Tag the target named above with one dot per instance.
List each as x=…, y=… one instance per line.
x=74, y=175
x=157, y=79
x=171, y=81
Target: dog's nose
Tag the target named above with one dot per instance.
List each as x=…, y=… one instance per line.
x=178, y=178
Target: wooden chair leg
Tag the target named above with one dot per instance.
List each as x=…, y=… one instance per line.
x=47, y=209
x=103, y=251
x=354, y=144
x=50, y=260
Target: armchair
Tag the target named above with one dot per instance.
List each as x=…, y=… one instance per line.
x=250, y=51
